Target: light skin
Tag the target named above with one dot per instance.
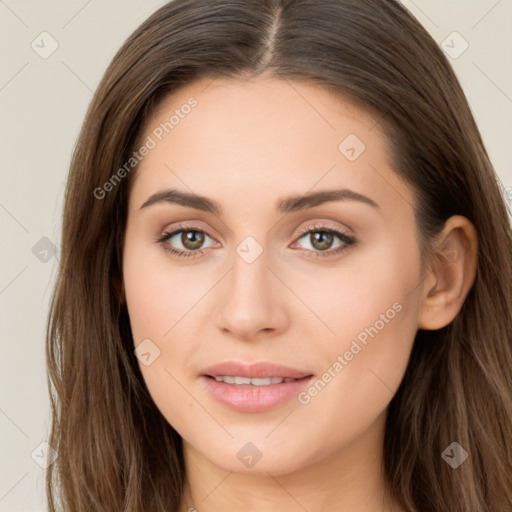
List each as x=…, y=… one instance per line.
x=247, y=145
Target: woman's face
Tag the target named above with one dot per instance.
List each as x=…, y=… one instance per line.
x=273, y=273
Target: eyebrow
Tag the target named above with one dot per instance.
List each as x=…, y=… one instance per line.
x=286, y=205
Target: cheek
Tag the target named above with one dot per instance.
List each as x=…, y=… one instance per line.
x=356, y=388
x=166, y=304
x=371, y=307
x=363, y=291
x=158, y=293
x=362, y=374
x=159, y=299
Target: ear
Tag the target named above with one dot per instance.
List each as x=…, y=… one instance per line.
x=450, y=273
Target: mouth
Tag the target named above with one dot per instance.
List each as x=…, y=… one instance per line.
x=244, y=381
x=254, y=388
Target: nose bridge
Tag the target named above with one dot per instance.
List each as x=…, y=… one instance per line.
x=248, y=303
x=250, y=275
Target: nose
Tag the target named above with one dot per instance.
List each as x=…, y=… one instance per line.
x=251, y=300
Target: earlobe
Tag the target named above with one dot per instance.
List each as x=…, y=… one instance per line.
x=451, y=274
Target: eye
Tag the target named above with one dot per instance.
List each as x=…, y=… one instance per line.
x=321, y=239
x=190, y=238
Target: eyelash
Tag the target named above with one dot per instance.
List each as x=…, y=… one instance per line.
x=347, y=240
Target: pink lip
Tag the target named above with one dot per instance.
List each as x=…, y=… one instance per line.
x=249, y=398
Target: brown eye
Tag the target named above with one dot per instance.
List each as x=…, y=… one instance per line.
x=192, y=239
x=185, y=242
x=321, y=240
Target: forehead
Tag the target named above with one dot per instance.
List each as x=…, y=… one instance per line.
x=260, y=136
x=260, y=106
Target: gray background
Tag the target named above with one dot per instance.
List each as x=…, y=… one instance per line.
x=42, y=105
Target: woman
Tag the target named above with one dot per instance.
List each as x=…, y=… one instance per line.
x=285, y=279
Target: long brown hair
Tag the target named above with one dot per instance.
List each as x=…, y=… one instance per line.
x=115, y=449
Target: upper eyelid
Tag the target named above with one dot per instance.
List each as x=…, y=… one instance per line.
x=184, y=226
x=318, y=226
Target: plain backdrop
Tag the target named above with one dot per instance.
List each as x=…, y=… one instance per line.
x=43, y=99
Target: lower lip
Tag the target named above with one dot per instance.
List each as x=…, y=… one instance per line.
x=249, y=398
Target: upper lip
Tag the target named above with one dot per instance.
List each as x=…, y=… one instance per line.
x=254, y=370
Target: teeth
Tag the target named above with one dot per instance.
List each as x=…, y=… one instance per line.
x=255, y=382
